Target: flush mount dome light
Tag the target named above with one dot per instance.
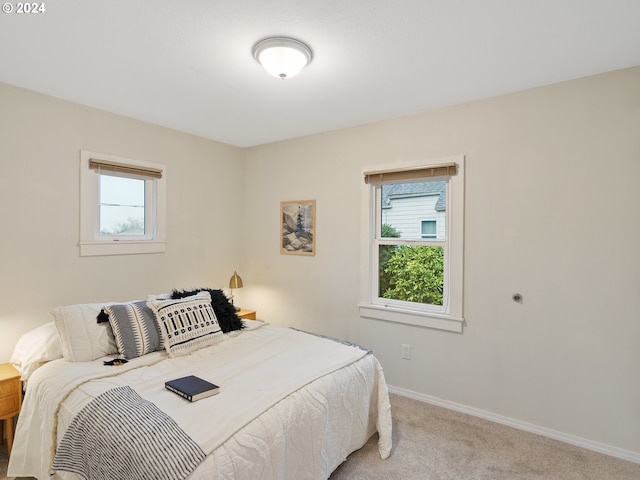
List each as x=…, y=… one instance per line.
x=282, y=57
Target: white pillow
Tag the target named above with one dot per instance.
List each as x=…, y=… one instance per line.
x=187, y=324
x=35, y=348
x=83, y=338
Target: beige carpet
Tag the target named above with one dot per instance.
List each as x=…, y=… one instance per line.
x=433, y=443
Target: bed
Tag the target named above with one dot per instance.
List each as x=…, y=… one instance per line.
x=292, y=405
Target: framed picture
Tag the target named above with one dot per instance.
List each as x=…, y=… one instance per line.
x=298, y=231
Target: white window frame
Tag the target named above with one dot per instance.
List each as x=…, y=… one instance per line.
x=92, y=242
x=449, y=316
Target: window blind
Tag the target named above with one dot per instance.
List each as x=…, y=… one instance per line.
x=97, y=164
x=422, y=171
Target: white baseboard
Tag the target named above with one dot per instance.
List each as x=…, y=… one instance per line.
x=527, y=427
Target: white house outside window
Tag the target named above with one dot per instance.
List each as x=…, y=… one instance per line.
x=415, y=244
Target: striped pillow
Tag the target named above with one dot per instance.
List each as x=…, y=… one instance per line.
x=135, y=329
x=187, y=324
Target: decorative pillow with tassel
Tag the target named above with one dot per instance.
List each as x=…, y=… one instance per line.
x=134, y=327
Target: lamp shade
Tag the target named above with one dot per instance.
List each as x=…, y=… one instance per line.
x=235, y=281
x=282, y=57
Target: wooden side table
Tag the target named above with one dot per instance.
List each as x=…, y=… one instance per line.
x=247, y=314
x=10, y=399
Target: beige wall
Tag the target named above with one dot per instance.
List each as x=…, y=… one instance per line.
x=552, y=212
x=40, y=142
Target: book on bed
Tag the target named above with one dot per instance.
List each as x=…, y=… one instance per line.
x=192, y=388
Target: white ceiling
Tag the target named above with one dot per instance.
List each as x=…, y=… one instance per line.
x=187, y=64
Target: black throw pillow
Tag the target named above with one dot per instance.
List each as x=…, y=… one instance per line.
x=225, y=311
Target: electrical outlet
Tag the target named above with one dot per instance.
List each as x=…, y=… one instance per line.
x=406, y=351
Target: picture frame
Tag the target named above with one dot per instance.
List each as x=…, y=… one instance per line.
x=298, y=227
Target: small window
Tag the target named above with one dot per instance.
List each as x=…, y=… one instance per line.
x=125, y=207
x=122, y=205
x=415, y=262
x=428, y=229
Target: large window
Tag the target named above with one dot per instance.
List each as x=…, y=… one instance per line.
x=122, y=205
x=415, y=244
x=410, y=253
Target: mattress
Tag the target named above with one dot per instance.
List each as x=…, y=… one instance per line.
x=291, y=405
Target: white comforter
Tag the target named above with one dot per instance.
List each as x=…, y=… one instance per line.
x=291, y=406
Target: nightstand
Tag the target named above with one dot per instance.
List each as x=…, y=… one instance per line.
x=10, y=399
x=247, y=314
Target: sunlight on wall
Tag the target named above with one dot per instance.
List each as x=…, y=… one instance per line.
x=266, y=300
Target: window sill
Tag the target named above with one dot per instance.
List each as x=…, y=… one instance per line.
x=90, y=249
x=411, y=317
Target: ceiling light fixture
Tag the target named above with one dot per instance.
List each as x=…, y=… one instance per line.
x=282, y=57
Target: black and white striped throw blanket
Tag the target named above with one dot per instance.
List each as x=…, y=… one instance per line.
x=121, y=435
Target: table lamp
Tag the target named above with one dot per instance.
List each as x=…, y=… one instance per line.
x=235, y=282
